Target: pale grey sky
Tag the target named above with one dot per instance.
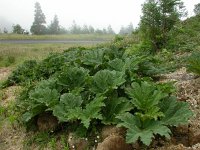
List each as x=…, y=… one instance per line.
x=98, y=13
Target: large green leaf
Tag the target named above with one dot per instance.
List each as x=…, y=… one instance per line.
x=45, y=96
x=67, y=115
x=132, y=63
x=60, y=112
x=92, y=111
x=145, y=98
x=67, y=111
x=70, y=100
x=73, y=77
x=50, y=83
x=176, y=112
x=142, y=130
x=117, y=64
x=33, y=110
x=72, y=55
x=115, y=106
x=93, y=57
x=106, y=80
x=152, y=113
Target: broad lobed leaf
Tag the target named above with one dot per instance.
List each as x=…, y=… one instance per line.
x=143, y=131
x=176, y=112
x=106, y=80
x=144, y=96
x=115, y=106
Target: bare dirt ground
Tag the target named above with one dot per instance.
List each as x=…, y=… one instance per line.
x=11, y=135
x=4, y=72
x=184, y=138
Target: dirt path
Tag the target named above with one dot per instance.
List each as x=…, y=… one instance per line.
x=11, y=134
x=4, y=72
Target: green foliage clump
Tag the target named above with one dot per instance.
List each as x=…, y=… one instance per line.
x=185, y=35
x=6, y=61
x=159, y=17
x=18, y=29
x=24, y=73
x=197, y=9
x=103, y=86
x=156, y=111
x=193, y=64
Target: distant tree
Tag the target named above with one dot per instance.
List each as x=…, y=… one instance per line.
x=26, y=32
x=5, y=30
x=85, y=29
x=63, y=30
x=38, y=26
x=91, y=29
x=75, y=29
x=158, y=19
x=130, y=28
x=104, y=31
x=122, y=30
x=110, y=30
x=17, y=29
x=197, y=9
x=126, y=30
x=98, y=31
x=54, y=27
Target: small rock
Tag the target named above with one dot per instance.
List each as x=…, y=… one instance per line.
x=181, y=135
x=47, y=122
x=112, y=130
x=194, y=140
x=114, y=142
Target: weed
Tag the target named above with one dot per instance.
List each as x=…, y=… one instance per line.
x=64, y=143
x=39, y=139
x=53, y=143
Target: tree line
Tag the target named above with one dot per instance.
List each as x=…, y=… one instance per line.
x=39, y=26
x=159, y=17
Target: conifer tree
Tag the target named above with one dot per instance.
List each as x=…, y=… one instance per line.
x=159, y=17
x=38, y=26
x=54, y=27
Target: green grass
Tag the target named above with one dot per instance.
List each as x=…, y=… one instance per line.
x=57, y=37
x=14, y=54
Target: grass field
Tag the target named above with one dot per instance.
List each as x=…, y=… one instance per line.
x=57, y=37
x=12, y=54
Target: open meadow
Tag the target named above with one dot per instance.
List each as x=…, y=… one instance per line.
x=12, y=54
x=57, y=37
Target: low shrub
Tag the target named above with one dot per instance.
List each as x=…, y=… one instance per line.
x=193, y=64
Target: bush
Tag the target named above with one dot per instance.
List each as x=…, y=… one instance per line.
x=7, y=60
x=23, y=74
x=194, y=63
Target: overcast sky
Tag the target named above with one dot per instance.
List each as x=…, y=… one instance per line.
x=98, y=13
